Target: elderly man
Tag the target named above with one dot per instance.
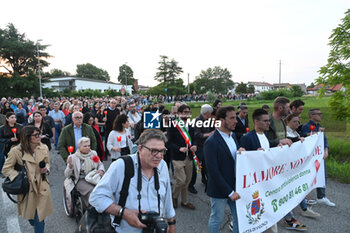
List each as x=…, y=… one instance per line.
x=150, y=169
x=134, y=117
x=201, y=134
x=72, y=133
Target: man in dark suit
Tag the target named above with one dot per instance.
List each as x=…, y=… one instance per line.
x=242, y=122
x=220, y=154
x=182, y=156
x=256, y=139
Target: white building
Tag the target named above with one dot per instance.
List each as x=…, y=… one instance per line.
x=261, y=86
x=76, y=83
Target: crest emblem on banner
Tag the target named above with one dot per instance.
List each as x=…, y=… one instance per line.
x=255, y=209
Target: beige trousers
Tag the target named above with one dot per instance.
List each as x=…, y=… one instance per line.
x=182, y=174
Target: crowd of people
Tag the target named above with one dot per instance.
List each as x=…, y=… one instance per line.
x=88, y=131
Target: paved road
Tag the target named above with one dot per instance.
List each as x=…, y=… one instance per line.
x=333, y=219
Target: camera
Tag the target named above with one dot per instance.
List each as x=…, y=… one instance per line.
x=154, y=222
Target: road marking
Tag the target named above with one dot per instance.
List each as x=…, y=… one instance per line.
x=12, y=217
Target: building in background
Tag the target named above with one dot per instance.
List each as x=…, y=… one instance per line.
x=77, y=83
x=261, y=86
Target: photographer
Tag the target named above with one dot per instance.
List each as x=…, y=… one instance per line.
x=144, y=201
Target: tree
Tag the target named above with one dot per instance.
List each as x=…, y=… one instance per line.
x=296, y=91
x=18, y=55
x=126, y=74
x=176, y=88
x=168, y=71
x=56, y=73
x=337, y=70
x=216, y=80
x=241, y=88
x=20, y=85
x=312, y=85
x=90, y=71
x=250, y=88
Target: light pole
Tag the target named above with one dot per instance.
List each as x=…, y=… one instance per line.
x=38, y=55
x=126, y=78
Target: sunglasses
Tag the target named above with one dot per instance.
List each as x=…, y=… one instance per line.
x=37, y=135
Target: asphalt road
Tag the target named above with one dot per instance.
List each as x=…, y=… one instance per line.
x=333, y=219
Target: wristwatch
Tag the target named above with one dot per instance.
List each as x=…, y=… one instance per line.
x=172, y=222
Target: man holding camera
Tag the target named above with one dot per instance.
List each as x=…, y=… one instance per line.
x=145, y=204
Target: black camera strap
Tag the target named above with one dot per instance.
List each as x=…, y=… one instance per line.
x=139, y=184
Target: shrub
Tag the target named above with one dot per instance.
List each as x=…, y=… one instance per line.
x=271, y=95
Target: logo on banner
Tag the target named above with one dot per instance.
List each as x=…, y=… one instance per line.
x=255, y=209
x=151, y=120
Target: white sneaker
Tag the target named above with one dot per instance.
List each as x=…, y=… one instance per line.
x=325, y=201
x=310, y=213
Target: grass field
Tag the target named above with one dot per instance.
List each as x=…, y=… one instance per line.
x=338, y=163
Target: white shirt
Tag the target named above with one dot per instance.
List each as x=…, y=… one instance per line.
x=264, y=143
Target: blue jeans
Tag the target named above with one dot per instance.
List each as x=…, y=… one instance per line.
x=57, y=133
x=39, y=227
x=218, y=213
x=303, y=204
x=2, y=156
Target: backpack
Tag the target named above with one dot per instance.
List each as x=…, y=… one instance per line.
x=94, y=222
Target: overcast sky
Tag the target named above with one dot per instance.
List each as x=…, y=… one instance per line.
x=246, y=37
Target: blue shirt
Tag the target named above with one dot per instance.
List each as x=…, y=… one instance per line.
x=108, y=189
x=59, y=115
x=78, y=133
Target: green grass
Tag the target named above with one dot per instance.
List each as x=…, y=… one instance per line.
x=338, y=163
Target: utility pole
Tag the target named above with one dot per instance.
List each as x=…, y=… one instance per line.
x=279, y=87
x=38, y=55
x=188, y=82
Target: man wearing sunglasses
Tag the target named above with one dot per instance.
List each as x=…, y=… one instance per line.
x=73, y=132
x=146, y=162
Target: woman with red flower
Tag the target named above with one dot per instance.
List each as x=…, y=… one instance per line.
x=79, y=165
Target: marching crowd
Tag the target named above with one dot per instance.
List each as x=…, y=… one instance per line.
x=88, y=131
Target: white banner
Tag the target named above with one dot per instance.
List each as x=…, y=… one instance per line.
x=271, y=183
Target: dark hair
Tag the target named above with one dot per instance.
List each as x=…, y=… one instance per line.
x=119, y=121
x=26, y=133
x=165, y=112
x=222, y=112
x=87, y=117
x=296, y=104
x=280, y=101
x=311, y=111
x=258, y=113
x=6, y=124
x=41, y=106
x=183, y=107
x=291, y=116
x=265, y=106
x=216, y=102
x=19, y=103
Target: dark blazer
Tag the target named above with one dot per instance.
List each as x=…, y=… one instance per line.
x=250, y=141
x=220, y=166
x=241, y=128
x=176, y=141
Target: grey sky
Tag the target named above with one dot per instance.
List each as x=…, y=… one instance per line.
x=247, y=37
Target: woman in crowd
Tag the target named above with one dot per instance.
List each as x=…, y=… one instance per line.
x=90, y=120
x=119, y=140
x=101, y=120
x=293, y=122
x=37, y=204
x=7, y=108
x=45, y=129
x=21, y=114
x=217, y=104
x=85, y=107
x=79, y=165
x=10, y=132
x=65, y=108
x=95, y=108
